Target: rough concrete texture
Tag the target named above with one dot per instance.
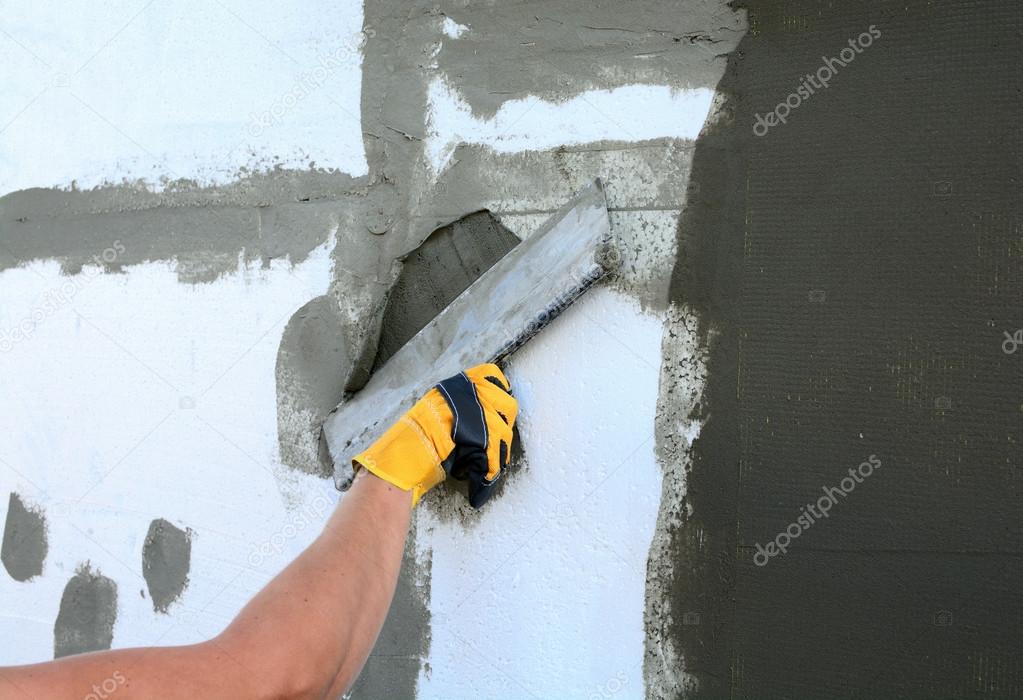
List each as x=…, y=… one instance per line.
x=553, y=50
x=166, y=558
x=283, y=214
x=314, y=364
x=436, y=272
x=855, y=271
x=88, y=610
x=24, y=544
x=683, y=375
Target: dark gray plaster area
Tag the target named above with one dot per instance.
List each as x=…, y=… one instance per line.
x=24, y=544
x=855, y=271
x=88, y=610
x=166, y=558
x=436, y=272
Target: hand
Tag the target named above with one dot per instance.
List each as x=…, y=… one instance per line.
x=462, y=427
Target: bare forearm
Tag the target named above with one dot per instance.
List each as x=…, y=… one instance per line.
x=326, y=608
x=200, y=670
x=371, y=536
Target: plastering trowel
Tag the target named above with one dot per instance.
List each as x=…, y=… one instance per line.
x=509, y=303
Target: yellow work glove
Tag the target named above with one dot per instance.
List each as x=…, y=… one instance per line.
x=462, y=427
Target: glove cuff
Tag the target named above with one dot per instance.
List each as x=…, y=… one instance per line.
x=405, y=457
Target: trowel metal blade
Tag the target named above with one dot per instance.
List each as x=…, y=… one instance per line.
x=497, y=314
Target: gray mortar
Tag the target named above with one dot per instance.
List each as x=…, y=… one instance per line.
x=396, y=76
x=645, y=186
x=88, y=610
x=166, y=558
x=328, y=345
x=24, y=544
x=436, y=272
x=554, y=50
x=283, y=215
x=313, y=366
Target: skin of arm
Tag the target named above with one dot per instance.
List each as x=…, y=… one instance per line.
x=306, y=634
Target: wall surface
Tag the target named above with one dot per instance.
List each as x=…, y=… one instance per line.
x=855, y=488
x=204, y=208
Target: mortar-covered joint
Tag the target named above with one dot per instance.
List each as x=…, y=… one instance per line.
x=609, y=255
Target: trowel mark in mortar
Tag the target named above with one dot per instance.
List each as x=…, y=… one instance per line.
x=88, y=610
x=314, y=362
x=441, y=268
x=166, y=557
x=24, y=545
